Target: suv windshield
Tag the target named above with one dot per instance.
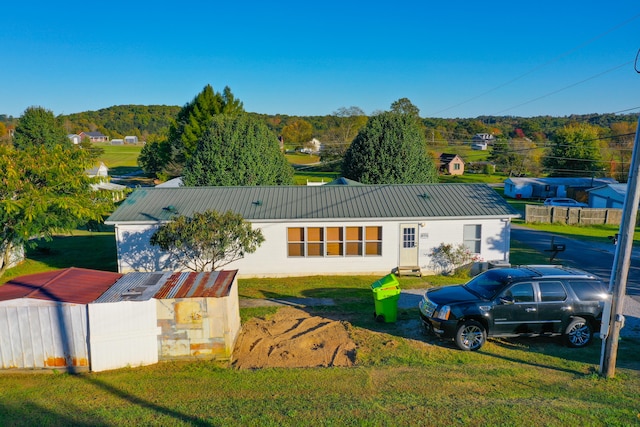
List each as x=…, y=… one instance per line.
x=491, y=281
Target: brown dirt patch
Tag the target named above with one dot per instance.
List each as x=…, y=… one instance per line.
x=293, y=338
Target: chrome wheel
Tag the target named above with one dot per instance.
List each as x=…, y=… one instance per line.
x=578, y=333
x=470, y=336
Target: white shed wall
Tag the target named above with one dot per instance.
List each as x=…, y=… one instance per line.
x=43, y=334
x=271, y=260
x=123, y=334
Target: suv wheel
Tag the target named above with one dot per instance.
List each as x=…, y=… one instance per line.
x=470, y=335
x=578, y=333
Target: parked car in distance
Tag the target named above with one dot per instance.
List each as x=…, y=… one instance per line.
x=565, y=202
x=517, y=301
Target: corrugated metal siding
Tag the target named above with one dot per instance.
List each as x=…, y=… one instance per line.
x=316, y=202
x=43, y=335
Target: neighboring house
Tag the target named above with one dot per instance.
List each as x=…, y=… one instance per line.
x=483, y=138
x=94, y=136
x=451, y=164
x=77, y=319
x=542, y=188
x=74, y=138
x=99, y=171
x=117, y=141
x=131, y=139
x=479, y=146
x=608, y=196
x=328, y=229
x=314, y=145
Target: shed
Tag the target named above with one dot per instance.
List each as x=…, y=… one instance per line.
x=43, y=318
x=197, y=314
x=608, y=196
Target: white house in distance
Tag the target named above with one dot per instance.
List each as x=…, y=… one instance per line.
x=328, y=229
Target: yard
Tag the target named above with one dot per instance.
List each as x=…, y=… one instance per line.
x=398, y=376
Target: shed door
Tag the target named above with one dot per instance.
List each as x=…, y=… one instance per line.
x=408, y=245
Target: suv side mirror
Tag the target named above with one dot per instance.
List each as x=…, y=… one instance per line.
x=506, y=300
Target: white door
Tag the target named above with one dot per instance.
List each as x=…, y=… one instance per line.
x=408, y=245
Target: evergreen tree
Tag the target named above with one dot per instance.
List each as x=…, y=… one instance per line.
x=39, y=127
x=237, y=150
x=191, y=123
x=390, y=149
x=574, y=152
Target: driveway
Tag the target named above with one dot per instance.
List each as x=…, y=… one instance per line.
x=596, y=258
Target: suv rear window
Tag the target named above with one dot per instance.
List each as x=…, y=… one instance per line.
x=588, y=290
x=552, y=291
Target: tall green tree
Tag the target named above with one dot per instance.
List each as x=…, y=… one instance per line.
x=574, y=151
x=39, y=127
x=190, y=124
x=43, y=190
x=207, y=241
x=237, y=150
x=390, y=149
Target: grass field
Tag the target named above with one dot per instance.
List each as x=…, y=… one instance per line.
x=401, y=378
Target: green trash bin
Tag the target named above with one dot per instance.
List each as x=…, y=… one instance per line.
x=386, y=293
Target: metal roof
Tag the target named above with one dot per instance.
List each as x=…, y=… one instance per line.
x=71, y=285
x=163, y=285
x=291, y=203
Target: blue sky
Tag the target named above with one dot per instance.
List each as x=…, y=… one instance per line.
x=452, y=59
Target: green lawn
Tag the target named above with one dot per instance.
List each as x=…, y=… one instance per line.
x=401, y=377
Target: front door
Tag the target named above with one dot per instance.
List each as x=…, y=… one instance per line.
x=408, y=245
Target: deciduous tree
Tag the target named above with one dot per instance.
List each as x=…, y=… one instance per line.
x=237, y=150
x=38, y=126
x=390, y=149
x=574, y=151
x=207, y=241
x=299, y=131
x=43, y=190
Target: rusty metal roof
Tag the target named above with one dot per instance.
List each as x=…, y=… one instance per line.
x=162, y=285
x=71, y=285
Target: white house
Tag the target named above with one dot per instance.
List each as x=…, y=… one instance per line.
x=328, y=229
x=74, y=138
x=130, y=139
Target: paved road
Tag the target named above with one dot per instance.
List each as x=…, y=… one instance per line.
x=596, y=258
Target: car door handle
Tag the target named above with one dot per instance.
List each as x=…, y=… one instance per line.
x=530, y=309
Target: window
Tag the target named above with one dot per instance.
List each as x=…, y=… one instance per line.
x=409, y=237
x=552, y=291
x=522, y=292
x=456, y=166
x=472, y=235
x=334, y=241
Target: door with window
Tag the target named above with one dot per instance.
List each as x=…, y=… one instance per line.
x=408, y=245
x=516, y=310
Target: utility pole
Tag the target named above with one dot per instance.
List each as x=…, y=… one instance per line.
x=622, y=260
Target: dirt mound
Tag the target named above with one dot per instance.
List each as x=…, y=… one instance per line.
x=293, y=338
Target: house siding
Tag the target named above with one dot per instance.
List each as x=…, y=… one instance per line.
x=271, y=258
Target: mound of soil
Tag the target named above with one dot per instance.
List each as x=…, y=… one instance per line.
x=293, y=338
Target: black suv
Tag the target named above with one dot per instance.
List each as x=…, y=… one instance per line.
x=507, y=302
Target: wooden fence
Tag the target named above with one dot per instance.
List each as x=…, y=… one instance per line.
x=572, y=216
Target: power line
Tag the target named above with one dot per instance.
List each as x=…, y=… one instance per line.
x=545, y=64
x=566, y=87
